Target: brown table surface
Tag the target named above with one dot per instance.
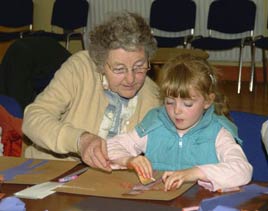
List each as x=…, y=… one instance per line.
x=64, y=201
x=162, y=55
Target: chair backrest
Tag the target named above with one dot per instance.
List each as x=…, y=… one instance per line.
x=229, y=16
x=70, y=14
x=249, y=130
x=173, y=15
x=16, y=13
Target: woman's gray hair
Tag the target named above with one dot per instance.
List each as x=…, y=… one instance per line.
x=127, y=30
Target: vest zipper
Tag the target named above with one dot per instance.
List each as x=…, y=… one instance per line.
x=180, y=142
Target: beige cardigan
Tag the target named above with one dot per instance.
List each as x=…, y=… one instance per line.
x=72, y=103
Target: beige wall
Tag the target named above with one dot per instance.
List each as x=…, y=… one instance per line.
x=265, y=16
x=42, y=17
x=42, y=14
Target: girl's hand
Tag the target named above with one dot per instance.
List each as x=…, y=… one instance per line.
x=174, y=179
x=141, y=165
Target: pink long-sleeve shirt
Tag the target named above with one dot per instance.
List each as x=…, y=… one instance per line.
x=232, y=170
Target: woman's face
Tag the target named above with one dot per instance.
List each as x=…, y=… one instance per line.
x=126, y=71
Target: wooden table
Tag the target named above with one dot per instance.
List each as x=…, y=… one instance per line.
x=64, y=201
x=162, y=55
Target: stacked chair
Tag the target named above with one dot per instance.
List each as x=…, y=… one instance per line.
x=173, y=22
x=68, y=21
x=236, y=20
x=261, y=42
x=16, y=19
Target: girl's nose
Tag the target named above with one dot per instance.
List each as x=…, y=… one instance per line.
x=177, y=109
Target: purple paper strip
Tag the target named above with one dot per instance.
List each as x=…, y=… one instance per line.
x=24, y=168
x=233, y=200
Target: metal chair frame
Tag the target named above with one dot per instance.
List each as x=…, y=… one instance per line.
x=223, y=18
x=261, y=42
x=16, y=18
x=177, y=17
x=69, y=16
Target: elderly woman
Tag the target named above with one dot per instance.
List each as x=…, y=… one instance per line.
x=95, y=95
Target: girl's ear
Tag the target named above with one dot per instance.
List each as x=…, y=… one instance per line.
x=209, y=100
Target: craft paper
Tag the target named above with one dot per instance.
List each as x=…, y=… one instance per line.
x=115, y=185
x=18, y=170
x=26, y=167
x=38, y=191
x=1, y=181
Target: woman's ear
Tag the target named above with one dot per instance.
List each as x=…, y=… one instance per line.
x=209, y=100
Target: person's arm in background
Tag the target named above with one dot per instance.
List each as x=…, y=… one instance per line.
x=10, y=134
x=264, y=133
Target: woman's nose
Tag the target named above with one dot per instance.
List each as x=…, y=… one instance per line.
x=130, y=77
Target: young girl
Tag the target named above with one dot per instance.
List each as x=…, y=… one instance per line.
x=189, y=137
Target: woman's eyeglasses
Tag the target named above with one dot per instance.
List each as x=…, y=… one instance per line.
x=135, y=69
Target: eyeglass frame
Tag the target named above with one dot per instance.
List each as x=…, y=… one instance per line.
x=144, y=69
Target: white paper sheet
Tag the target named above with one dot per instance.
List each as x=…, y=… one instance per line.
x=38, y=191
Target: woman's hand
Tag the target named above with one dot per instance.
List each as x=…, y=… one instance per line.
x=174, y=179
x=93, y=151
x=141, y=165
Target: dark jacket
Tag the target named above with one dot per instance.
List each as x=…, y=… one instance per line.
x=28, y=65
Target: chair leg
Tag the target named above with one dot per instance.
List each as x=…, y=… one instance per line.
x=68, y=39
x=264, y=66
x=240, y=70
x=67, y=43
x=82, y=43
x=252, y=73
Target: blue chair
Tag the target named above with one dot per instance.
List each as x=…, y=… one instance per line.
x=173, y=17
x=237, y=27
x=70, y=16
x=11, y=105
x=261, y=42
x=249, y=130
x=16, y=16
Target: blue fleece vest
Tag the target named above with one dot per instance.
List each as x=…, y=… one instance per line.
x=166, y=150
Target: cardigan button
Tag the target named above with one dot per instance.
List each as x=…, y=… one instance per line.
x=110, y=115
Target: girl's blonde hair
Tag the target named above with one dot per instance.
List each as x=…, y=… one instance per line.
x=184, y=72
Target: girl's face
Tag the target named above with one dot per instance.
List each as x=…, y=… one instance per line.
x=185, y=113
x=126, y=71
